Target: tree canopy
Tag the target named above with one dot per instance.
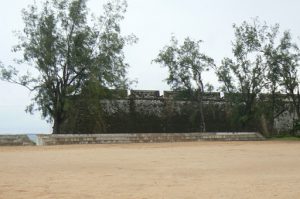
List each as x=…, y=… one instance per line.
x=263, y=62
x=66, y=46
x=186, y=64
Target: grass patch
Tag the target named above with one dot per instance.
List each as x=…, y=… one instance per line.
x=286, y=138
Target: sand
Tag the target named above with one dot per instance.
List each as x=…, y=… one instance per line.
x=142, y=171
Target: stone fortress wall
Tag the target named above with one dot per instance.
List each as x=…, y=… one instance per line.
x=149, y=111
x=147, y=116
x=15, y=140
x=65, y=139
x=68, y=139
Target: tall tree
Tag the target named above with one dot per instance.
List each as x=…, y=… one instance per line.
x=186, y=64
x=65, y=46
x=273, y=80
x=246, y=73
x=288, y=57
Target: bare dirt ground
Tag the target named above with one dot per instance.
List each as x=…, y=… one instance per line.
x=142, y=171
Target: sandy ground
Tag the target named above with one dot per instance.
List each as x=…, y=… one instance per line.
x=140, y=171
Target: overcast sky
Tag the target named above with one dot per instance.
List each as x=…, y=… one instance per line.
x=153, y=22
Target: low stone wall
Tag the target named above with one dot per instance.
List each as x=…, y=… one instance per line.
x=64, y=139
x=15, y=140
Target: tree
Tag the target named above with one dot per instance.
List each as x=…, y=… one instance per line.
x=65, y=46
x=245, y=75
x=288, y=57
x=273, y=79
x=186, y=64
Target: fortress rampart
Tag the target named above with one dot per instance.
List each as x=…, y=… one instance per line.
x=149, y=111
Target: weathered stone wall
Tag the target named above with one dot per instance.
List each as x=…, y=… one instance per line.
x=15, y=140
x=285, y=121
x=149, y=112
x=64, y=139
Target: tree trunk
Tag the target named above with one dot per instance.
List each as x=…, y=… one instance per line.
x=273, y=110
x=59, y=108
x=58, y=118
x=202, y=122
x=200, y=99
x=298, y=104
x=57, y=125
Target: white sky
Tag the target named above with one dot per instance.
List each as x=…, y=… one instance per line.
x=153, y=22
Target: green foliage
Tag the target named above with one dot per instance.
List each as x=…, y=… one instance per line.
x=186, y=64
x=85, y=113
x=288, y=56
x=286, y=138
x=209, y=87
x=262, y=63
x=246, y=72
x=252, y=70
x=66, y=47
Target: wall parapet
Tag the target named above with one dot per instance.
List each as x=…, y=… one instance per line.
x=65, y=139
x=155, y=94
x=184, y=95
x=15, y=140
